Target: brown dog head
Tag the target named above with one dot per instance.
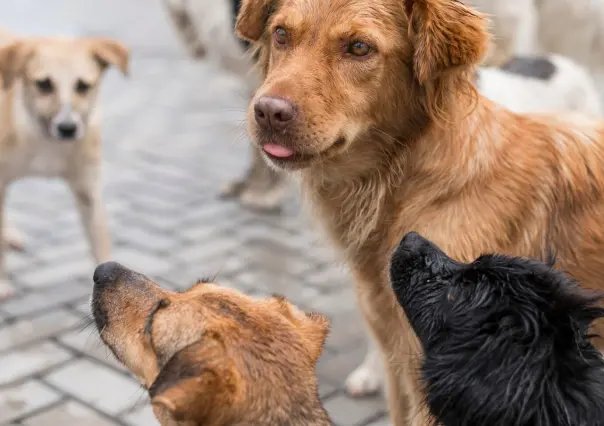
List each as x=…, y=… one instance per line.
x=337, y=70
x=211, y=355
x=59, y=79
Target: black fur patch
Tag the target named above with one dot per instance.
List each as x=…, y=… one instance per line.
x=235, y=7
x=539, y=68
x=506, y=339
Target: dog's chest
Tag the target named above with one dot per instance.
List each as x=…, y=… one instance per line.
x=45, y=159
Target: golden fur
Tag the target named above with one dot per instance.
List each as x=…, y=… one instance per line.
x=46, y=83
x=212, y=356
x=398, y=140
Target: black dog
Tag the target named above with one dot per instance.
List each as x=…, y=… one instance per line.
x=505, y=339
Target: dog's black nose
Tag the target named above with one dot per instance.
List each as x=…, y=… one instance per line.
x=414, y=242
x=274, y=113
x=106, y=273
x=67, y=130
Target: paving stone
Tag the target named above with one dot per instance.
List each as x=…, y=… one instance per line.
x=87, y=342
x=147, y=240
x=69, y=413
x=18, y=401
x=142, y=416
x=110, y=391
x=21, y=363
x=72, y=249
x=334, y=368
x=29, y=329
x=346, y=411
x=47, y=276
x=44, y=300
x=148, y=263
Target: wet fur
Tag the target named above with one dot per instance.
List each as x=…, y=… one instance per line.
x=506, y=339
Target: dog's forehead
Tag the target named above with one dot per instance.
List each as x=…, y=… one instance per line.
x=63, y=58
x=335, y=17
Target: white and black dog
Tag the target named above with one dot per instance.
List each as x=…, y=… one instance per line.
x=506, y=339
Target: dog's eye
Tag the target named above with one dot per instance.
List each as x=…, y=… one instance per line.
x=280, y=36
x=82, y=87
x=451, y=297
x=358, y=48
x=44, y=85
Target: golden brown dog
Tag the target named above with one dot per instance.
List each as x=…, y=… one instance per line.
x=49, y=125
x=373, y=103
x=211, y=355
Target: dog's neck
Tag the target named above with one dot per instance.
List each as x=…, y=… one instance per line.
x=311, y=413
x=385, y=164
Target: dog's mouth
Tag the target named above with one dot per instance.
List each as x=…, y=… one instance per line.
x=289, y=158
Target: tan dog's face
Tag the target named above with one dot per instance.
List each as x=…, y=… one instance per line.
x=60, y=80
x=209, y=355
x=336, y=70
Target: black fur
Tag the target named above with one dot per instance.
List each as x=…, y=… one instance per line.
x=540, y=68
x=235, y=7
x=505, y=338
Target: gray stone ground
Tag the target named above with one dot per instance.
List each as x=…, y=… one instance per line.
x=173, y=134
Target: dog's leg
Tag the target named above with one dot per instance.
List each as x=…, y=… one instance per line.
x=87, y=193
x=6, y=290
x=261, y=188
x=186, y=30
x=267, y=188
x=368, y=378
x=401, y=351
x=13, y=238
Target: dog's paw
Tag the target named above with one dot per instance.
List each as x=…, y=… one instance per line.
x=269, y=201
x=364, y=381
x=14, y=239
x=6, y=290
x=198, y=51
x=232, y=189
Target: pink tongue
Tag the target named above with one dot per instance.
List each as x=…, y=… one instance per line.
x=277, y=150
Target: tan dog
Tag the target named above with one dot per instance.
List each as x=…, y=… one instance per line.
x=373, y=102
x=50, y=126
x=212, y=356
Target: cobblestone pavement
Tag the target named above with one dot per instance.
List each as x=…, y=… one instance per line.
x=173, y=134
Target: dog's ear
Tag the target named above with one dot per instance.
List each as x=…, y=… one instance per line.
x=313, y=326
x=110, y=52
x=252, y=18
x=13, y=58
x=446, y=34
x=199, y=384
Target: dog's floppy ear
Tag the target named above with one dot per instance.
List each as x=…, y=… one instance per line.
x=252, y=18
x=110, y=52
x=199, y=384
x=446, y=34
x=313, y=326
x=13, y=58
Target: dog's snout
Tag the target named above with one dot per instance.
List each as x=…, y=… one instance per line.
x=67, y=129
x=106, y=273
x=414, y=242
x=274, y=113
